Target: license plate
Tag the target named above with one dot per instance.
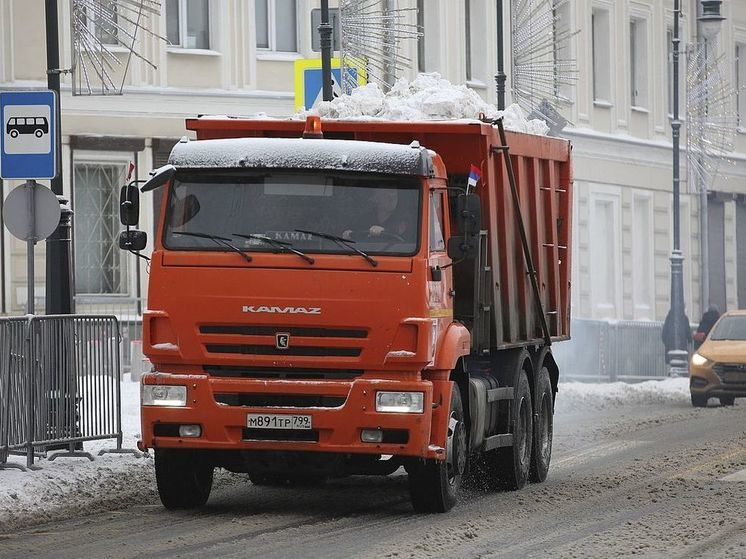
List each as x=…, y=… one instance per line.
x=278, y=421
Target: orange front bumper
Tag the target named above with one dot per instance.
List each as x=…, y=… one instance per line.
x=338, y=428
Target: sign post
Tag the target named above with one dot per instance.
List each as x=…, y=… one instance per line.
x=28, y=150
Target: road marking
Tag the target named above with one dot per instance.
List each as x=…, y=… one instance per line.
x=717, y=460
x=737, y=476
x=595, y=452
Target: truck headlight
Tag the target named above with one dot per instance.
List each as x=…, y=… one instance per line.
x=400, y=402
x=699, y=361
x=163, y=395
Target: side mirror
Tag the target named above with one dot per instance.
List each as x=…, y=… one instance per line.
x=133, y=240
x=159, y=177
x=460, y=248
x=469, y=211
x=129, y=205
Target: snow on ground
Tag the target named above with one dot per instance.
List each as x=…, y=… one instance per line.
x=70, y=485
x=427, y=97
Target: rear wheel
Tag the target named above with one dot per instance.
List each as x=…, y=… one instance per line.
x=509, y=467
x=727, y=400
x=699, y=401
x=433, y=486
x=184, y=478
x=541, y=454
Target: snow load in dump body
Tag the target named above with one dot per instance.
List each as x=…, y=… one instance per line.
x=428, y=97
x=286, y=153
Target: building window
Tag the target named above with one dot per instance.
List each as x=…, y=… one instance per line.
x=604, y=254
x=97, y=24
x=638, y=62
x=741, y=84
x=475, y=32
x=277, y=25
x=642, y=255
x=601, y=56
x=188, y=23
x=100, y=267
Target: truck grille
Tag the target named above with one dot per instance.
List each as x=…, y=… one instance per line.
x=293, y=373
x=300, y=341
x=304, y=332
x=731, y=373
x=280, y=400
x=298, y=351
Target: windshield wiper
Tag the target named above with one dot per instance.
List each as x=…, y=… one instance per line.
x=282, y=246
x=222, y=241
x=341, y=241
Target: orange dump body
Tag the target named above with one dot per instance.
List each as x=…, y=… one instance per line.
x=385, y=328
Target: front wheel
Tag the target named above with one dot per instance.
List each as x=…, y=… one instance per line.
x=699, y=400
x=433, y=486
x=184, y=478
x=727, y=400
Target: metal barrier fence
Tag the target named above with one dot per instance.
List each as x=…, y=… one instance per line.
x=128, y=311
x=59, y=384
x=602, y=351
x=13, y=386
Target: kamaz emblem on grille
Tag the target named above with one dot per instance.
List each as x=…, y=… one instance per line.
x=282, y=340
x=282, y=310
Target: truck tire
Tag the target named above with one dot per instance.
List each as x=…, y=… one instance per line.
x=184, y=478
x=433, y=486
x=727, y=400
x=699, y=400
x=541, y=454
x=508, y=468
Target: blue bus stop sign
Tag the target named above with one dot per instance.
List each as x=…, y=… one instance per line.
x=29, y=135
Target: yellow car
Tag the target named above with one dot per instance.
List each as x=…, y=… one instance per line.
x=718, y=368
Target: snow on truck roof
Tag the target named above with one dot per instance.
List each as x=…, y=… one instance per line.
x=300, y=153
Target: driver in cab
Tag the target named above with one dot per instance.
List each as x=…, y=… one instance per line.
x=387, y=219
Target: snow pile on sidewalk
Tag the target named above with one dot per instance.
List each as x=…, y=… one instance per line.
x=70, y=486
x=428, y=97
x=581, y=395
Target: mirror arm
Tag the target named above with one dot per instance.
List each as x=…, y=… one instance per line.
x=137, y=253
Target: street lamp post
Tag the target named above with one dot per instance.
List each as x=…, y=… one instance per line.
x=676, y=328
x=708, y=26
x=500, y=77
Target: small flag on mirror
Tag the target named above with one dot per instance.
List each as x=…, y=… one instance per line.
x=474, y=177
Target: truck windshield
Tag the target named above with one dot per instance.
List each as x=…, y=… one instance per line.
x=379, y=214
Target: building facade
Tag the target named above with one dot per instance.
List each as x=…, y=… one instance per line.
x=237, y=57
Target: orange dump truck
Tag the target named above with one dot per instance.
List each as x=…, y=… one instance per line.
x=345, y=297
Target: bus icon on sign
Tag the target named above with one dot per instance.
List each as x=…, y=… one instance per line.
x=38, y=126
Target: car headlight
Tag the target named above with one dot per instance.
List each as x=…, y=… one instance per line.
x=400, y=402
x=699, y=361
x=163, y=395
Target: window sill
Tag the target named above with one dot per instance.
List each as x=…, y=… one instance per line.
x=602, y=104
x=278, y=56
x=643, y=110
x=197, y=52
